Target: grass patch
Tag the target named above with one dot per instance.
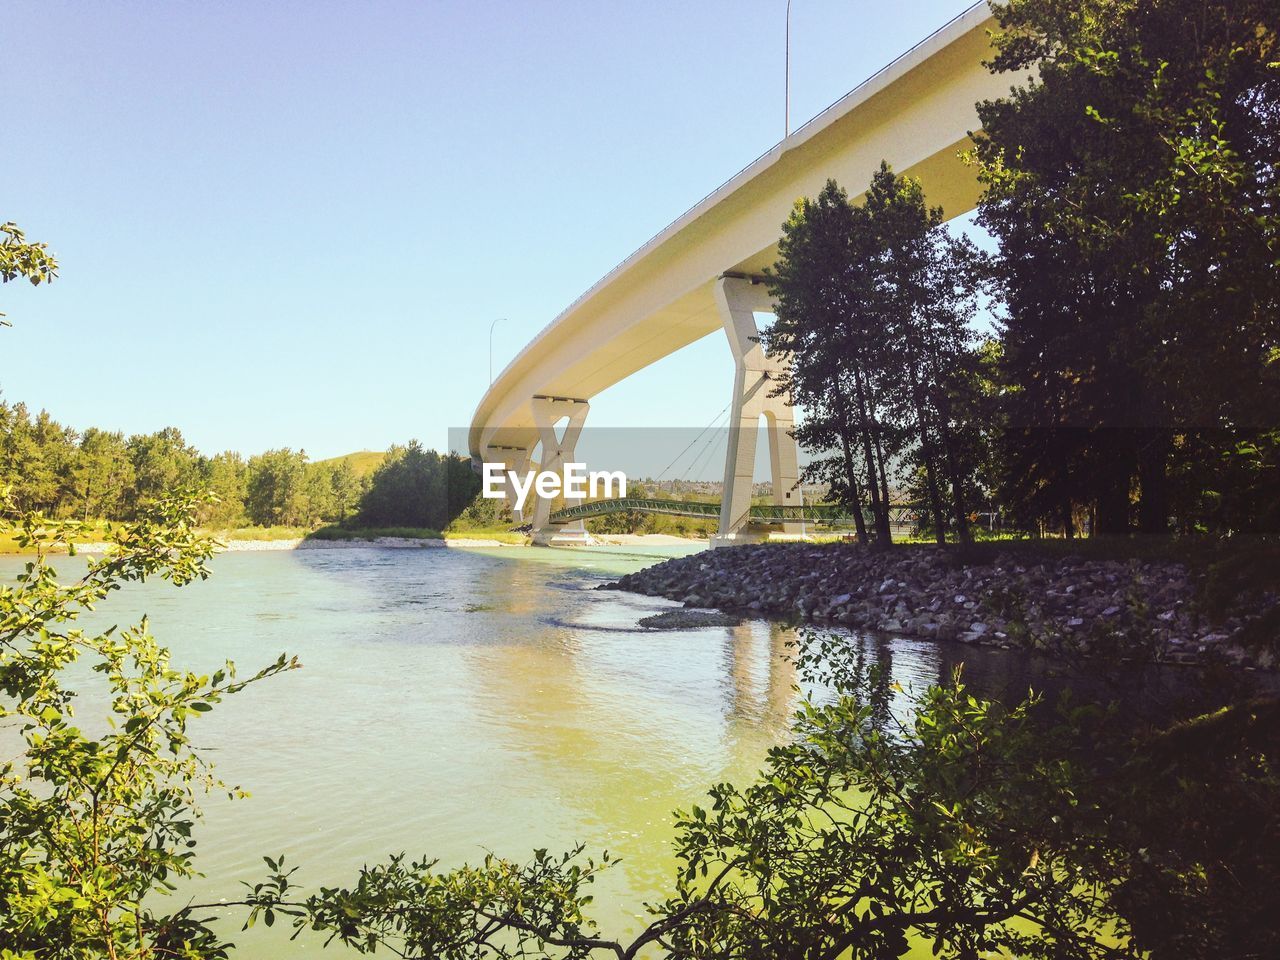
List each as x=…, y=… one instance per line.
x=260, y=533
x=362, y=463
x=95, y=531
x=98, y=531
x=501, y=534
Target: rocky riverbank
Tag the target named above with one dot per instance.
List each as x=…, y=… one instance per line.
x=1060, y=604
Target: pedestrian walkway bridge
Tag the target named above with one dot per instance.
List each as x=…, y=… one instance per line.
x=768, y=513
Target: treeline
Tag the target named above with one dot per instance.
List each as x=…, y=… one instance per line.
x=1131, y=381
x=99, y=474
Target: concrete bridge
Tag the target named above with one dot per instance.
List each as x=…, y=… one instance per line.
x=702, y=274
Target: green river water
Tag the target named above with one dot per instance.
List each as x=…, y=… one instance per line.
x=457, y=701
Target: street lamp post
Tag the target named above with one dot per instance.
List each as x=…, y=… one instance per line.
x=786, y=82
x=491, y=326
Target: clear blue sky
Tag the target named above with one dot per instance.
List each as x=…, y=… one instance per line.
x=291, y=223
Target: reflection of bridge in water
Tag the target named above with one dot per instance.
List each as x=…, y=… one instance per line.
x=760, y=514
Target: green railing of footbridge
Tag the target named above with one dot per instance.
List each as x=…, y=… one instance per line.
x=763, y=513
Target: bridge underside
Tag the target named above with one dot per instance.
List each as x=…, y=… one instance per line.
x=695, y=277
x=588, y=361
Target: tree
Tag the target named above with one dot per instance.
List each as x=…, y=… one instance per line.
x=93, y=825
x=276, y=490
x=874, y=308
x=927, y=284
x=226, y=476
x=21, y=258
x=319, y=493
x=163, y=464
x=1132, y=187
x=35, y=458
x=102, y=475
x=462, y=487
x=415, y=487
x=822, y=324
x=346, y=489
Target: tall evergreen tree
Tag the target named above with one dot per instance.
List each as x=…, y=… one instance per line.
x=1132, y=187
x=101, y=475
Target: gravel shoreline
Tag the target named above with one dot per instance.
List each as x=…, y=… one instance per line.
x=1063, y=605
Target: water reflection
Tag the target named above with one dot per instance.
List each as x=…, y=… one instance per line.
x=760, y=678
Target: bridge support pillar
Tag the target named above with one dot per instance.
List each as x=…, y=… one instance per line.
x=557, y=450
x=755, y=376
x=516, y=460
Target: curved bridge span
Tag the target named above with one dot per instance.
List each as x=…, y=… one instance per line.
x=701, y=274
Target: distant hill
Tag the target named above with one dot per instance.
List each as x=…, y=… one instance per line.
x=362, y=463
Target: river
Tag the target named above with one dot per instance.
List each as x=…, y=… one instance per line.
x=457, y=701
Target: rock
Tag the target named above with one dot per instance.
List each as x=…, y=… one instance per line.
x=689, y=619
x=928, y=593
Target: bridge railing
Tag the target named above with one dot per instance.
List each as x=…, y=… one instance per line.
x=600, y=508
x=759, y=513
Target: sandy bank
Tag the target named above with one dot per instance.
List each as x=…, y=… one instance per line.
x=646, y=540
x=414, y=543
x=301, y=543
